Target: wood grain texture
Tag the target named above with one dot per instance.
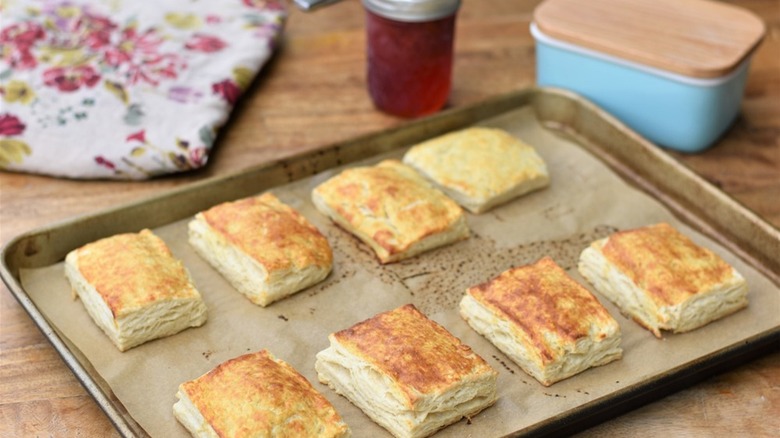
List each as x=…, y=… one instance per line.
x=312, y=94
x=698, y=38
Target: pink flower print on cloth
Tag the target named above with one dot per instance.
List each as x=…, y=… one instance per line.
x=125, y=89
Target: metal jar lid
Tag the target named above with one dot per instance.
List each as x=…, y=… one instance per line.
x=412, y=10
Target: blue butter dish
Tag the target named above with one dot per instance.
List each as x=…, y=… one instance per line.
x=672, y=70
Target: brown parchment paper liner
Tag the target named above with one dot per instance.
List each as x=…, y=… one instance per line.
x=584, y=202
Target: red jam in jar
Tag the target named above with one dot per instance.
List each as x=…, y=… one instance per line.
x=409, y=51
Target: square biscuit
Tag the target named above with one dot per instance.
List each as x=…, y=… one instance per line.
x=479, y=167
x=407, y=373
x=392, y=209
x=134, y=289
x=256, y=395
x=663, y=280
x=545, y=321
x=263, y=247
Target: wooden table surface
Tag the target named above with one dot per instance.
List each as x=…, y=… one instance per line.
x=313, y=94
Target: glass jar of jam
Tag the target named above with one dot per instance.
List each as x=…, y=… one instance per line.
x=409, y=53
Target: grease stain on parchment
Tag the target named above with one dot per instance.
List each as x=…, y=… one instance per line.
x=436, y=280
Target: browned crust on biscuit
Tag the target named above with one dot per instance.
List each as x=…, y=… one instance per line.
x=542, y=298
x=665, y=263
x=271, y=232
x=256, y=392
x=390, y=204
x=416, y=352
x=132, y=270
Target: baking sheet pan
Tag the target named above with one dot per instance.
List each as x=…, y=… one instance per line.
x=586, y=200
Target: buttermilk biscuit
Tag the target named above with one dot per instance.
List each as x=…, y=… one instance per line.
x=407, y=373
x=255, y=395
x=546, y=322
x=134, y=289
x=661, y=279
x=479, y=167
x=263, y=247
x=392, y=209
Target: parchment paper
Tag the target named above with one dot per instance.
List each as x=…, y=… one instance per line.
x=585, y=201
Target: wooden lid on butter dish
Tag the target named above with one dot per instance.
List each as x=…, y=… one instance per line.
x=697, y=38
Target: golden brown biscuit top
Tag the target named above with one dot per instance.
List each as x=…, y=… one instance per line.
x=479, y=162
x=132, y=270
x=546, y=304
x=271, y=232
x=417, y=353
x=256, y=393
x=665, y=263
x=390, y=203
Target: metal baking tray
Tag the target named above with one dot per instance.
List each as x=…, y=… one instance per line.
x=690, y=200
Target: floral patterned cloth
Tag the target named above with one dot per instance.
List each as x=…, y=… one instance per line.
x=124, y=89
